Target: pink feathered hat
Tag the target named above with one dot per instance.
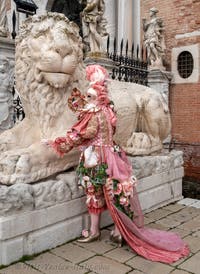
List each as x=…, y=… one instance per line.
x=97, y=75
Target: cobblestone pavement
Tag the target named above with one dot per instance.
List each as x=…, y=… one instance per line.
x=105, y=257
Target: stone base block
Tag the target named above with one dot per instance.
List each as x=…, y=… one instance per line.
x=37, y=217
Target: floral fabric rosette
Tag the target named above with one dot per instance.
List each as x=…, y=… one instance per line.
x=122, y=192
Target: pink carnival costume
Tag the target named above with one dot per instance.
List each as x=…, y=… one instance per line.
x=106, y=174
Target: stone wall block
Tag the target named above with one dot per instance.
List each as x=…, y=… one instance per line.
x=53, y=236
x=11, y=250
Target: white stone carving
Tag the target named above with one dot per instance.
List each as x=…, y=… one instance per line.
x=154, y=39
x=45, y=227
x=94, y=25
x=61, y=188
x=48, y=65
x=16, y=198
x=3, y=19
x=7, y=81
x=50, y=192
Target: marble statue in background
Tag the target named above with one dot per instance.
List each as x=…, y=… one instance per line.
x=154, y=39
x=6, y=85
x=3, y=19
x=94, y=25
x=49, y=65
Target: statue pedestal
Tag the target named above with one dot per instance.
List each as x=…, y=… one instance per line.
x=7, y=52
x=160, y=80
x=7, y=48
x=40, y=216
x=99, y=58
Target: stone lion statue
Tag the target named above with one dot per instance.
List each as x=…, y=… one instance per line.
x=49, y=64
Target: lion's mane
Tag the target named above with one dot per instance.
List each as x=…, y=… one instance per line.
x=31, y=90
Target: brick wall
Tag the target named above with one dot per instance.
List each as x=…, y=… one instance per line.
x=179, y=16
x=182, y=17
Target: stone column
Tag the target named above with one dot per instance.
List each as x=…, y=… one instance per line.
x=111, y=17
x=7, y=48
x=125, y=21
x=136, y=22
x=160, y=80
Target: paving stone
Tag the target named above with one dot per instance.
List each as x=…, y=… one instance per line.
x=193, y=242
x=193, y=212
x=158, y=214
x=196, y=204
x=191, y=225
x=119, y=254
x=181, y=216
x=148, y=220
x=196, y=234
x=177, y=271
x=149, y=267
x=177, y=263
x=50, y=264
x=157, y=226
x=102, y=265
x=192, y=264
x=168, y=222
x=136, y=272
x=99, y=247
x=197, y=218
x=72, y=253
x=187, y=201
x=19, y=268
x=174, y=207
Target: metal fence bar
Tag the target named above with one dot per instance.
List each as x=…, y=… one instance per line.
x=18, y=111
x=128, y=67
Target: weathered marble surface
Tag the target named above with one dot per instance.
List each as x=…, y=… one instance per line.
x=41, y=216
x=94, y=25
x=7, y=51
x=3, y=19
x=61, y=188
x=154, y=39
x=6, y=98
x=46, y=72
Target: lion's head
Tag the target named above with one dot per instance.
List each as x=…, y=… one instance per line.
x=48, y=63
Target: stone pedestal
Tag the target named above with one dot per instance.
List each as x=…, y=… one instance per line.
x=160, y=80
x=7, y=51
x=101, y=59
x=40, y=216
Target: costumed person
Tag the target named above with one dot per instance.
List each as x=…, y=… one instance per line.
x=106, y=174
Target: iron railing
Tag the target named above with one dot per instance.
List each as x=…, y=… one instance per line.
x=18, y=111
x=129, y=65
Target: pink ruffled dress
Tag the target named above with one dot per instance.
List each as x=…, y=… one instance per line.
x=93, y=133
